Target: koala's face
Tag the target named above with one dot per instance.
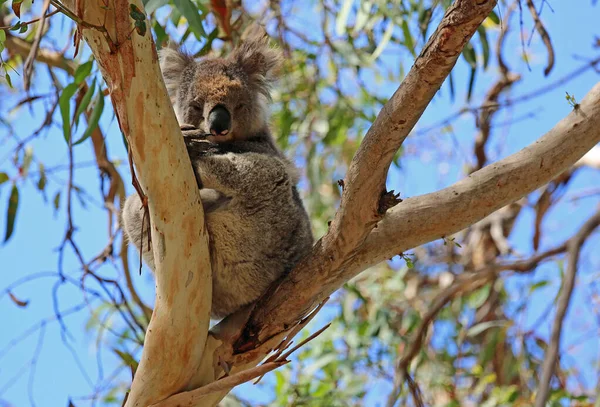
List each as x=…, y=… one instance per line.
x=225, y=97
x=218, y=97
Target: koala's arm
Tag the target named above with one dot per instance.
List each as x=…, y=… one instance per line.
x=247, y=175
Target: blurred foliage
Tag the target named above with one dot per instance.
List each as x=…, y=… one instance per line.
x=343, y=60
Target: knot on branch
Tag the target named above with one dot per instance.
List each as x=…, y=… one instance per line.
x=388, y=200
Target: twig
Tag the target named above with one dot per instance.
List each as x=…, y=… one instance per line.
x=28, y=65
x=545, y=36
x=550, y=358
x=191, y=398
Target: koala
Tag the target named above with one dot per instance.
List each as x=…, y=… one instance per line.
x=257, y=224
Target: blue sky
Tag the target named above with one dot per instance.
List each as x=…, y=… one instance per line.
x=39, y=230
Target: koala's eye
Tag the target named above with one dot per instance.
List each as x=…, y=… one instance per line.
x=197, y=108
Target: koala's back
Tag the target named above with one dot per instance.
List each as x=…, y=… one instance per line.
x=261, y=234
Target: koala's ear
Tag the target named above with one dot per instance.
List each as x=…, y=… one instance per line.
x=172, y=64
x=254, y=55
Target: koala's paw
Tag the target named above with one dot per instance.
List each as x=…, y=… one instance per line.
x=191, y=132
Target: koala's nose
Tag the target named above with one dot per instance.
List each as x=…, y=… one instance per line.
x=219, y=121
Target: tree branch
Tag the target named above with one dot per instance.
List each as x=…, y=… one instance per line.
x=365, y=181
x=428, y=217
x=550, y=358
x=177, y=332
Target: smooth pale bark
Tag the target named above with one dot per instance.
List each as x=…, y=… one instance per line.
x=177, y=355
x=178, y=329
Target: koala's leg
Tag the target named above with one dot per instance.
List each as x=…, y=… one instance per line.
x=135, y=226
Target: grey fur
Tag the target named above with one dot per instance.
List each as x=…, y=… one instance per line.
x=257, y=224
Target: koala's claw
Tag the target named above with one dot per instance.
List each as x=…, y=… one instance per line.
x=190, y=131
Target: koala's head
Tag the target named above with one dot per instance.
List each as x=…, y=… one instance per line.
x=226, y=97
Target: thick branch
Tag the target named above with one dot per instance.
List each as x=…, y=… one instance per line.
x=365, y=182
x=177, y=332
x=428, y=217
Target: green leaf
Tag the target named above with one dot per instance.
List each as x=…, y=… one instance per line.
x=11, y=213
x=56, y=202
x=494, y=17
x=127, y=359
x=471, y=84
x=193, y=14
x=538, y=285
x=2, y=36
x=82, y=72
x=479, y=328
x=23, y=28
x=152, y=5
x=478, y=297
x=342, y=17
x=385, y=39
x=3, y=177
x=362, y=16
x=408, y=40
x=42, y=181
x=94, y=119
x=27, y=158
x=7, y=77
x=470, y=55
x=161, y=34
x=64, y=102
x=485, y=46
x=451, y=84
x=16, y=26
x=85, y=102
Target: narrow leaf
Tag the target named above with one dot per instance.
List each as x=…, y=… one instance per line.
x=385, y=39
x=27, y=159
x=152, y=5
x=18, y=302
x=7, y=77
x=42, y=181
x=408, y=40
x=94, y=119
x=479, y=328
x=82, y=72
x=64, y=102
x=194, y=16
x=11, y=213
x=56, y=202
x=470, y=55
x=342, y=18
x=494, y=17
x=85, y=102
x=471, y=84
x=3, y=177
x=485, y=46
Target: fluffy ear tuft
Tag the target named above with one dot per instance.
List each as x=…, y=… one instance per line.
x=260, y=61
x=172, y=64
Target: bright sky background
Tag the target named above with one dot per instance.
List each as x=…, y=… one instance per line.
x=39, y=231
